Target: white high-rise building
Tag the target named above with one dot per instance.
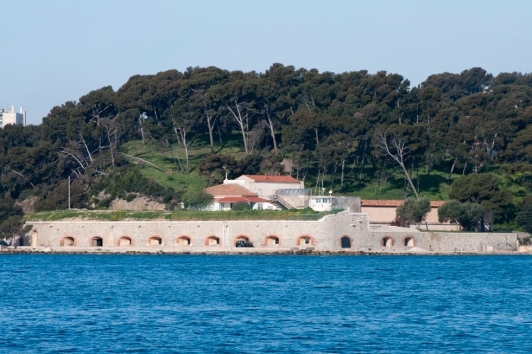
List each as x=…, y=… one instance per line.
x=9, y=116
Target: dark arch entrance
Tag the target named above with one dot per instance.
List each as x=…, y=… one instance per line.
x=346, y=242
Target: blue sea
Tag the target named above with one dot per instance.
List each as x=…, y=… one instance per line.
x=257, y=304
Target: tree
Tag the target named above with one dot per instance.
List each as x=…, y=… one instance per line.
x=395, y=147
x=196, y=198
x=413, y=210
x=484, y=189
x=524, y=218
x=215, y=167
x=185, y=119
x=466, y=214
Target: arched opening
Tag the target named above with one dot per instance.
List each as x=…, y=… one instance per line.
x=125, y=241
x=242, y=240
x=96, y=241
x=272, y=240
x=68, y=241
x=305, y=240
x=212, y=241
x=410, y=242
x=387, y=242
x=183, y=241
x=34, y=235
x=346, y=242
x=155, y=241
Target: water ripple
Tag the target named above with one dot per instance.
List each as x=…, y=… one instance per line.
x=256, y=304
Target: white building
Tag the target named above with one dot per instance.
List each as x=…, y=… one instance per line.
x=9, y=116
x=225, y=196
x=266, y=186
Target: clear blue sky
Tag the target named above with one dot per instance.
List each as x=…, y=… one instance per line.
x=57, y=50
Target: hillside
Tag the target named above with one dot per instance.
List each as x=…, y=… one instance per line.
x=370, y=135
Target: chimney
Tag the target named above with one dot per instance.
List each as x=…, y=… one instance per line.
x=21, y=110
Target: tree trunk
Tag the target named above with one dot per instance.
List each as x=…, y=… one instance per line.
x=111, y=148
x=451, y=172
x=141, y=128
x=211, y=127
x=342, y=179
x=242, y=122
x=270, y=125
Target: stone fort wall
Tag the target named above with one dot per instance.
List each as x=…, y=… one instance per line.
x=332, y=233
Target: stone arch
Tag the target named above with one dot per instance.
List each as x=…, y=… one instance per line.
x=68, y=241
x=212, y=240
x=305, y=240
x=241, y=237
x=272, y=240
x=409, y=241
x=96, y=241
x=346, y=241
x=34, y=238
x=387, y=241
x=125, y=240
x=183, y=240
x=155, y=241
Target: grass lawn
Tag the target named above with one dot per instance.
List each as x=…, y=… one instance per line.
x=181, y=215
x=172, y=161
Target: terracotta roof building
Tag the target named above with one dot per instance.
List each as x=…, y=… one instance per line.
x=226, y=195
x=225, y=190
x=265, y=185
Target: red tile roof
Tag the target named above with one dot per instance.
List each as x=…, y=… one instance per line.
x=275, y=179
x=242, y=199
x=395, y=203
x=229, y=190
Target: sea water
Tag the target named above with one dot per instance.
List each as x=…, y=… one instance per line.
x=256, y=304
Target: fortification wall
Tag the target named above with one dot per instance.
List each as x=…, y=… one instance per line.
x=393, y=240
x=268, y=235
x=324, y=234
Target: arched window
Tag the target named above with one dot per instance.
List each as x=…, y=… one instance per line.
x=346, y=242
x=212, y=241
x=96, y=241
x=183, y=241
x=305, y=240
x=68, y=241
x=387, y=242
x=125, y=241
x=155, y=241
x=272, y=240
x=410, y=242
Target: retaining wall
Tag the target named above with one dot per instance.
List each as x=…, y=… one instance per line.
x=325, y=234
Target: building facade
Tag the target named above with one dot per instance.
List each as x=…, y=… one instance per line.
x=9, y=116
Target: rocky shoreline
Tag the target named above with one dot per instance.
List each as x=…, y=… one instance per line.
x=309, y=252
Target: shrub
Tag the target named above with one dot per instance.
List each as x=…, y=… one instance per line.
x=241, y=206
x=196, y=199
x=413, y=210
x=130, y=197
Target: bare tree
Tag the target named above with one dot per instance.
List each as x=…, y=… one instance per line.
x=241, y=114
x=395, y=147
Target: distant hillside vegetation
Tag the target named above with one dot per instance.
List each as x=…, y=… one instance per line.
x=355, y=133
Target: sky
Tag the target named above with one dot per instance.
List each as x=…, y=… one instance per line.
x=55, y=51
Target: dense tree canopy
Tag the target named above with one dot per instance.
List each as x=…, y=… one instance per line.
x=327, y=123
